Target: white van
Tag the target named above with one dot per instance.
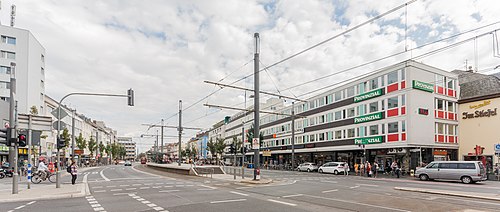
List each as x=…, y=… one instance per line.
x=465, y=171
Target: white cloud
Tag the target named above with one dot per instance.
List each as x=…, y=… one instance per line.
x=166, y=49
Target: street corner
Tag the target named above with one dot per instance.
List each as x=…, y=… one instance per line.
x=257, y=182
x=473, y=195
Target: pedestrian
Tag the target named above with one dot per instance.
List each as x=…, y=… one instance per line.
x=369, y=169
x=394, y=165
x=356, y=168
x=73, y=172
x=375, y=169
x=362, y=169
x=346, y=169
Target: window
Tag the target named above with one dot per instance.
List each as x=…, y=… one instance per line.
x=373, y=107
x=374, y=130
x=338, y=115
x=451, y=107
x=338, y=134
x=361, y=110
x=350, y=133
x=338, y=95
x=350, y=112
x=8, y=55
x=392, y=77
x=329, y=99
x=448, y=165
x=440, y=128
x=392, y=127
x=392, y=102
x=440, y=104
x=350, y=91
x=402, y=74
x=43, y=58
x=403, y=100
x=466, y=166
x=8, y=40
x=451, y=130
x=321, y=119
x=4, y=70
x=311, y=138
x=383, y=128
x=439, y=80
x=382, y=81
x=322, y=136
x=403, y=126
x=383, y=104
x=374, y=84
x=451, y=84
x=432, y=166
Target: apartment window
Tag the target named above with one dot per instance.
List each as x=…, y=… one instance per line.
x=4, y=70
x=392, y=77
x=5, y=85
x=451, y=84
x=8, y=55
x=338, y=115
x=8, y=40
x=440, y=80
x=403, y=100
x=440, y=104
x=451, y=130
x=392, y=127
x=374, y=84
x=42, y=84
x=403, y=126
x=338, y=134
x=350, y=91
x=451, y=107
x=321, y=119
x=350, y=133
x=382, y=81
x=392, y=102
x=374, y=130
x=350, y=112
x=322, y=136
x=338, y=95
x=383, y=128
x=311, y=138
x=440, y=128
x=373, y=107
x=329, y=99
x=403, y=74
x=383, y=104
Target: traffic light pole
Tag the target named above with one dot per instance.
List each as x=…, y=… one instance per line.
x=129, y=95
x=12, y=122
x=256, y=170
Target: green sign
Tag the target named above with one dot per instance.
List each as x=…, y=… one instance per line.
x=423, y=86
x=369, y=95
x=369, y=140
x=4, y=148
x=367, y=118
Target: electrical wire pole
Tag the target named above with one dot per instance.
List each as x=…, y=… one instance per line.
x=256, y=135
x=180, y=132
x=161, y=148
x=293, y=136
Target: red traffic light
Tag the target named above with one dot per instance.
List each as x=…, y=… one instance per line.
x=22, y=137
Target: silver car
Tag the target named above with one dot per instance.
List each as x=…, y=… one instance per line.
x=309, y=167
x=465, y=171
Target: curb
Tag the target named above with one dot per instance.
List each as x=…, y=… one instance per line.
x=81, y=193
x=449, y=193
x=259, y=182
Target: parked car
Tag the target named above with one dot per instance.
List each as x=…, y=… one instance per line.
x=128, y=163
x=309, y=167
x=332, y=167
x=465, y=171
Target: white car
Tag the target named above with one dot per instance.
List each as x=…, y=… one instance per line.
x=333, y=167
x=309, y=167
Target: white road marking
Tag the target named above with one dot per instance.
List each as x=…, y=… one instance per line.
x=242, y=194
x=204, y=189
x=151, y=205
x=208, y=186
x=189, y=185
x=167, y=186
x=354, y=187
x=95, y=205
x=93, y=202
x=159, y=183
x=116, y=194
x=136, y=184
x=156, y=186
x=22, y=206
x=293, y=195
x=168, y=191
x=158, y=208
x=102, y=175
x=230, y=200
x=100, y=191
x=29, y=203
x=367, y=185
x=358, y=203
x=328, y=181
x=140, y=199
x=97, y=187
x=111, y=186
x=144, y=187
x=284, y=203
x=146, y=202
x=129, y=189
x=330, y=191
x=178, y=186
x=116, y=189
x=124, y=185
x=99, y=209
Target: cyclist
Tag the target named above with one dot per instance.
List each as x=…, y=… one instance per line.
x=42, y=168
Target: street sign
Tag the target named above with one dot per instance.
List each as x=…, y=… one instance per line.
x=266, y=153
x=255, y=143
x=63, y=113
x=63, y=125
x=40, y=123
x=497, y=148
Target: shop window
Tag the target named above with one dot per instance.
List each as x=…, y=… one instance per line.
x=374, y=130
x=350, y=112
x=392, y=102
x=393, y=127
x=373, y=107
x=350, y=133
x=338, y=134
x=392, y=77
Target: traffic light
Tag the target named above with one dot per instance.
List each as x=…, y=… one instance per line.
x=22, y=140
x=231, y=148
x=130, y=96
x=244, y=150
x=6, y=134
x=61, y=143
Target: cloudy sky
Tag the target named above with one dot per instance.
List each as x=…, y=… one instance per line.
x=164, y=50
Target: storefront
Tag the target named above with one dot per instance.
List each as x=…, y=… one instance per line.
x=4, y=153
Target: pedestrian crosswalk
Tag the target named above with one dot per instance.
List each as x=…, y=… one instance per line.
x=161, y=187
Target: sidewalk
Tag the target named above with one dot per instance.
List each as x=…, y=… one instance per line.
x=475, y=195
x=45, y=191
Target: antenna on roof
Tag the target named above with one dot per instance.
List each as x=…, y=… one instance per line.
x=12, y=15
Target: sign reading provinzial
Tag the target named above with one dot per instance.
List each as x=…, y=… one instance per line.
x=255, y=143
x=368, y=95
x=369, y=140
x=367, y=118
x=423, y=86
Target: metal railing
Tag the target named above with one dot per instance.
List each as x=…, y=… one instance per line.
x=205, y=171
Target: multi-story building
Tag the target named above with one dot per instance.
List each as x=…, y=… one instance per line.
x=19, y=48
x=406, y=112
x=478, y=117
x=130, y=147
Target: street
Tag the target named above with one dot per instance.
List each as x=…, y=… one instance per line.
x=119, y=188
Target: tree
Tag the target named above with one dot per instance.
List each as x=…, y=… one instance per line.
x=107, y=149
x=115, y=150
x=122, y=152
x=101, y=148
x=212, y=147
x=34, y=110
x=92, y=146
x=65, y=135
x=237, y=144
x=219, y=147
x=81, y=143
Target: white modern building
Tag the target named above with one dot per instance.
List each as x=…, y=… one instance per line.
x=130, y=147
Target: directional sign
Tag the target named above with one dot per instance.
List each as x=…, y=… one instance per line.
x=497, y=148
x=62, y=115
x=41, y=123
x=63, y=125
x=255, y=143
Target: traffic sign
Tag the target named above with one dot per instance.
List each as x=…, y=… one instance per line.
x=62, y=115
x=63, y=125
x=497, y=148
x=255, y=143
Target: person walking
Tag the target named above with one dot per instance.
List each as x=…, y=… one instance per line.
x=356, y=168
x=346, y=169
x=73, y=172
x=361, y=169
x=375, y=169
x=369, y=169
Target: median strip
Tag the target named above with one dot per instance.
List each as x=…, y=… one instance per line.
x=484, y=196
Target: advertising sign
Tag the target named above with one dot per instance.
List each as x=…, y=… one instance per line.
x=367, y=118
x=423, y=86
x=368, y=95
x=369, y=140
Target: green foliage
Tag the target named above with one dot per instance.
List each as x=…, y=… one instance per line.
x=212, y=147
x=65, y=135
x=101, y=148
x=34, y=110
x=81, y=142
x=92, y=145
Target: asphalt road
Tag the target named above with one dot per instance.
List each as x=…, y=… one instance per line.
x=119, y=188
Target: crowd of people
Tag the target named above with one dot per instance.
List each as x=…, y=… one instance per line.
x=371, y=170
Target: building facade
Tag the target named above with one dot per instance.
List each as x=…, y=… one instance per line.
x=479, y=106
x=406, y=112
x=130, y=147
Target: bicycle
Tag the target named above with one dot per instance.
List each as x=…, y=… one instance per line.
x=38, y=177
